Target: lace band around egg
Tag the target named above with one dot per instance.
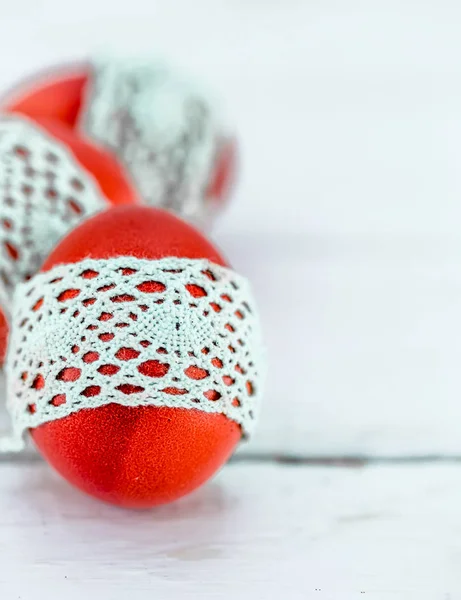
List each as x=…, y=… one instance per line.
x=173, y=332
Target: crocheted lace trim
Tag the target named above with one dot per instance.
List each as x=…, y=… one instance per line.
x=163, y=129
x=44, y=193
x=172, y=332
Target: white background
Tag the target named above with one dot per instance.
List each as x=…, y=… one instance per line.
x=347, y=216
x=348, y=220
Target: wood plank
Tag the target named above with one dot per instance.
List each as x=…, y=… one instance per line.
x=363, y=338
x=257, y=531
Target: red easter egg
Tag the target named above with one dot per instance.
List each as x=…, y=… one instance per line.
x=147, y=455
x=61, y=97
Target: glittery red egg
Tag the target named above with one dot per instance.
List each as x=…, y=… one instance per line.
x=136, y=456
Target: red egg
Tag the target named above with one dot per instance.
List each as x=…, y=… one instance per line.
x=62, y=96
x=136, y=456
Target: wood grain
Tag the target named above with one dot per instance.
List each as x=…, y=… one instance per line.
x=257, y=531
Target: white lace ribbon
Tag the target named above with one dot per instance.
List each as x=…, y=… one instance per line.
x=173, y=332
x=163, y=128
x=44, y=194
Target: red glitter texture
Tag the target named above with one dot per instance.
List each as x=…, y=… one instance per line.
x=137, y=456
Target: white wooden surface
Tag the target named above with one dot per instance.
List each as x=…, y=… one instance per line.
x=348, y=220
x=348, y=216
x=264, y=532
